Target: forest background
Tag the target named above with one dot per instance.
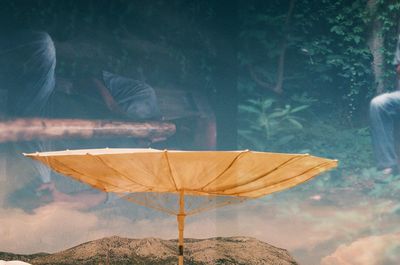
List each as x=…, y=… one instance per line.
x=301, y=73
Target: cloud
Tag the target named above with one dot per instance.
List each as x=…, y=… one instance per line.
x=372, y=250
x=47, y=229
x=59, y=226
x=290, y=225
x=266, y=224
x=308, y=228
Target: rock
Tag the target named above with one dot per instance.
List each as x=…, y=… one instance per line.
x=121, y=251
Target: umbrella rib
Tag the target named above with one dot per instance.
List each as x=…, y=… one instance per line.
x=283, y=181
x=203, y=209
x=116, y=171
x=151, y=198
x=322, y=165
x=76, y=171
x=170, y=170
x=205, y=204
x=225, y=170
x=155, y=207
x=284, y=164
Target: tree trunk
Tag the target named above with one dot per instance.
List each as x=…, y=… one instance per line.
x=376, y=45
x=281, y=61
x=278, y=87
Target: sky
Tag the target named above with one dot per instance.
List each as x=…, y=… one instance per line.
x=332, y=227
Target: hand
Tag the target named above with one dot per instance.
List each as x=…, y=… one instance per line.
x=108, y=99
x=54, y=192
x=398, y=69
x=45, y=192
x=50, y=186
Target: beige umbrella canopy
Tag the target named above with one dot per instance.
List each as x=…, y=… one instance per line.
x=222, y=177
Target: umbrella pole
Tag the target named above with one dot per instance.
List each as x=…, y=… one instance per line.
x=181, y=226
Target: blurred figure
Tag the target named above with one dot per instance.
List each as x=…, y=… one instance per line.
x=384, y=111
x=27, y=64
x=129, y=98
x=27, y=81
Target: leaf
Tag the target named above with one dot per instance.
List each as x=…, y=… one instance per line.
x=267, y=103
x=300, y=108
x=279, y=113
x=338, y=30
x=297, y=124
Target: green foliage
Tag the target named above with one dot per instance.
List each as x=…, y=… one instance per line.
x=327, y=58
x=327, y=42
x=352, y=147
x=327, y=48
x=265, y=125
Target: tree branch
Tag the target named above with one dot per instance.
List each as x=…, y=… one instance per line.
x=278, y=87
x=36, y=128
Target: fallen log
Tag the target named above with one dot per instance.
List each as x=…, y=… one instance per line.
x=41, y=129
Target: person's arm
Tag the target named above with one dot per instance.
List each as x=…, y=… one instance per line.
x=111, y=104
